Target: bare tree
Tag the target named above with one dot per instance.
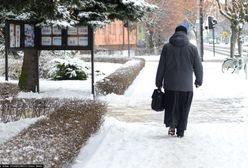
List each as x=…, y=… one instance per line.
x=236, y=13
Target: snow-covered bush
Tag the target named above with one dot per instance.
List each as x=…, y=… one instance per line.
x=8, y=90
x=13, y=109
x=57, y=139
x=14, y=68
x=68, y=69
x=121, y=79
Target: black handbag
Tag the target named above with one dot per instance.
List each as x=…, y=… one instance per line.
x=158, y=100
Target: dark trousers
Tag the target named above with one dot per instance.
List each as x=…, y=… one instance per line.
x=177, y=109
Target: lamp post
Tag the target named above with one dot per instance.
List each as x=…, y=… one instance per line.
x=201, y=30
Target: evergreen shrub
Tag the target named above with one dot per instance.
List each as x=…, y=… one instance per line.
x=63, y=70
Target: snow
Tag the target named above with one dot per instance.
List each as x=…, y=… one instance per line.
x=10, y=129
x=139, y=145
x=133, y=136
x=70, y=88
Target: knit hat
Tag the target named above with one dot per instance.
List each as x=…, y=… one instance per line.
x=181, y=28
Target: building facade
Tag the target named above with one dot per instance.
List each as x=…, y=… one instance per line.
x=115, y=36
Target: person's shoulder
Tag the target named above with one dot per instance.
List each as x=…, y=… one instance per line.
x=190, y=45
x=165, y=46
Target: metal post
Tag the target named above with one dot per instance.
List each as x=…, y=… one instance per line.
x=92, y=73
x=92, y=66
x=6, y=51
x=6, y=64
x=128, y=37
x=38, y=71
x=213, y=42
x=201, y=30
x=123, y=39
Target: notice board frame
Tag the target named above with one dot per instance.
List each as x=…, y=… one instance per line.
x=37, y=43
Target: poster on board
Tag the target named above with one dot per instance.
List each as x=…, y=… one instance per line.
x=57, y=41
x=83, y=41
x=72, y=41
x=46, y=30
x=12, y=35
x=83, y=30
x=29, y=35
x=56, y=31
x=46, y=41
x=18, y=36
x=72, y=31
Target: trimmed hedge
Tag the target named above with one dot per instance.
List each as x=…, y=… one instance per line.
x=13, y=109
x=8, y=90
x=56, y=140
x=121, y=79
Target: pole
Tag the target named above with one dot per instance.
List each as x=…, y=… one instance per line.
x=201, y=30
x=213, y=42
x=6, y=64
x=123, y=39
x=6, y=32
x=38, y=71
x=246, y=70
x=128, y=37
x=92, y=72
x=92, y=66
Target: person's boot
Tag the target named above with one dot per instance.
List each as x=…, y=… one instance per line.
x=180, y=133
x=171, y=131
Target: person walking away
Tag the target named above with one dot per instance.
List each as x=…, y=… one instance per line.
x=178, y=62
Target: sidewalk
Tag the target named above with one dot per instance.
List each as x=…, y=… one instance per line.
x=133, y=136
x=223, y=97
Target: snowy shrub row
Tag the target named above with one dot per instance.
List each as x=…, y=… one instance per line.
x=13, y=109
x=8, y=90
x=57, y=139
x=121, y=79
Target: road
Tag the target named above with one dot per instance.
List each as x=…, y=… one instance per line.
x=220, y=49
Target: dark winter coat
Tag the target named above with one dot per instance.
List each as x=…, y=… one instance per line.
x=178, y=61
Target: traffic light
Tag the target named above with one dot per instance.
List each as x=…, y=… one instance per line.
x=211, y=22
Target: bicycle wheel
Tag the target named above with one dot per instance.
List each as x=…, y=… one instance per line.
x=228, y=66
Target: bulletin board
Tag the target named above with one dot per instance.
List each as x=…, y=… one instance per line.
x=22, y=34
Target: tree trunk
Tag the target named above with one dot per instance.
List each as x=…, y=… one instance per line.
x=234, y=37
x=29, y=77
x=239, y=43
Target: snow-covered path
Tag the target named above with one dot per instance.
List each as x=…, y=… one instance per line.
x=146, y=145
x=216, y=136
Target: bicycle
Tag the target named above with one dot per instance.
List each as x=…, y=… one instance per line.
x=234, y=64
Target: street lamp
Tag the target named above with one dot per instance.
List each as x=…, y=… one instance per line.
x=201, y=28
